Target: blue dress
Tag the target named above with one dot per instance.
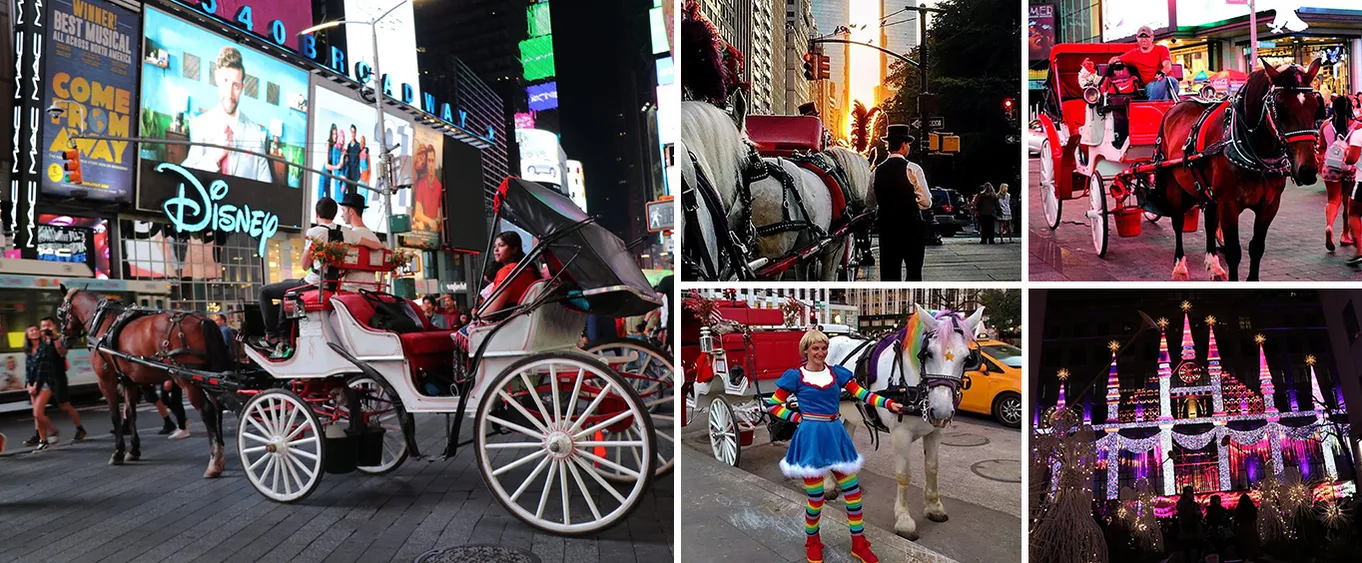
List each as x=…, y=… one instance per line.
x=818, y=446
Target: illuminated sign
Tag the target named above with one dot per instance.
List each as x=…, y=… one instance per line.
x=659, y=28
x=276, y=22
x=539, y=156
x=1202, y=12
x=576, y=184
x=524, y=121
x=661, y=215
x=1122, y=18
x=396, y=42
x=543, y=97
x=202, y=210
x=538, y=20
x=536, y=56
x=64, y=244
x=666, y=71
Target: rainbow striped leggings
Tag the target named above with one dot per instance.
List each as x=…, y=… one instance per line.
x=851, y=491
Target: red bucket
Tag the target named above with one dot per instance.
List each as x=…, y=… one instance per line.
x=1189, y=220
x=1128, y=221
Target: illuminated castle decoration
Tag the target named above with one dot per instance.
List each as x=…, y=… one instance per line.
x=1194, y=424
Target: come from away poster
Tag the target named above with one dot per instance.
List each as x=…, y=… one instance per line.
x=92, y=66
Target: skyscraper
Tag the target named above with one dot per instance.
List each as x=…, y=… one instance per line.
x=828, y=15
x=799, y=27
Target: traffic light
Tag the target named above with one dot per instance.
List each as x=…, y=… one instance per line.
x=1010, y=107
x=824, y=71
x=71, y=166
x=809, y=66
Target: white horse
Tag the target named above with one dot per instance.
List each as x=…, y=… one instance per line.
x=944, y=342
x=720, y=150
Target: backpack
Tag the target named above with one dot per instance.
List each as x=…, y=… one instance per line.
x=1336, y=153
x=395, y=314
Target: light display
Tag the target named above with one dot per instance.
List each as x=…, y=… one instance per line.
x=538, y=20
x=1248, y=439
x=536, y=56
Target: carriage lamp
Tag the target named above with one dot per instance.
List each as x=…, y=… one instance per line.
x=706, y=341
x=1092, y=95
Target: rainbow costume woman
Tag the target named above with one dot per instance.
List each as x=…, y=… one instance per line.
x=821, y=444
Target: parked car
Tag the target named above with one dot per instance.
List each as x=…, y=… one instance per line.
x=995, y=388
x=950, y=211
x=1035, y=135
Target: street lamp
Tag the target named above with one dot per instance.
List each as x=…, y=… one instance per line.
x=378, y=107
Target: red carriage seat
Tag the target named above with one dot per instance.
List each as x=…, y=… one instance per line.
x=1145, y=120
x=431, y=349
x=1075, y=114
x=783, y=135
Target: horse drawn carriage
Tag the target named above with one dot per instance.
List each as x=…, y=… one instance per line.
x=1134, y=158
x=790, y=208
x=577, y=425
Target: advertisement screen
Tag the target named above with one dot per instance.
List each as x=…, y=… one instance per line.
x=293, y=16
x=539, y=160
x=91, y=75
x=536, y=56
x=1122, y=18
x=428, y=186
x=1202, y=12
x=60, y=243
x=396, y=43
x=543, y=97
x=539, y=19
x=201, y=87
x=1041, y=32
x=345, y=142
x=465, y=203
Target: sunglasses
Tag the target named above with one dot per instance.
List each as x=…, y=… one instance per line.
x=1143, y=36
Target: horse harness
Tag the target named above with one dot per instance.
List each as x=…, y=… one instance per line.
x=123, y=315
x=694, y=260
x=1235, y=142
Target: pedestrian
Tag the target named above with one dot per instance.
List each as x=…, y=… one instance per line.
x=228, y=335
x=1246, y=528
x=449, y=309
x=1217, y=523
x=820, y=444
x=901, y=189
x=1004, y=213
x=1331, y=148
x=1189, y=525
x=46, y=361
x=986, y=205
x=437, y=319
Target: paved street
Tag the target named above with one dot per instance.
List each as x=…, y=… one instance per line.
x=980, y=483
x=1295, y=244
x=961, y=258
x=67, y=504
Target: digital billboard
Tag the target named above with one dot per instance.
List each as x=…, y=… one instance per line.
x=540, y=156
x=536, y=56
x=542, y=97
x=1202, y=12
x=63, y=238
x=259, y=17
x=428, y=186
x=1122, y=18
x=538, y=19
x=345, y=142
x=1041, y=31
x=91, y=75
x=201, y=87
x=396, y=44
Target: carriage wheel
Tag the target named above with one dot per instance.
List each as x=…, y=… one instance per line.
x=650, y=372
x=558, y=407
x=723, y=432
x=1049, y=195
x=688, y=405
x=383, y=408
x=1097, y=212
x=279, y=442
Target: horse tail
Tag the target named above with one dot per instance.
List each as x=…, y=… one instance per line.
x=218, y=354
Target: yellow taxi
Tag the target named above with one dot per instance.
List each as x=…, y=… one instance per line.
x=995, y=388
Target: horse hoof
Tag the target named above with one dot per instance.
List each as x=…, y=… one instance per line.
x=909, y=535
x=135, y=457
x=212, y=474
x=938, y=516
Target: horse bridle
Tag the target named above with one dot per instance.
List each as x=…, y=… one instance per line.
x=1270, y=115
x=927, y=381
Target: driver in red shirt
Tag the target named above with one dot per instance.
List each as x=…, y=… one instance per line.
x=1153, y=62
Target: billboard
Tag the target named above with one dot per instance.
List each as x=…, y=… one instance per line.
x=1202, y=12
x=202, y=87
x=1041, y=31
x=539, y=156
x=543, y=97
x=536, y=56
x=538, y=19
x=396, y=44
x=91, y=74
x=1122, y=18
x=428, y=185
x=259, y=17
x=465, y=202
x=58, y=241
x=345, y=142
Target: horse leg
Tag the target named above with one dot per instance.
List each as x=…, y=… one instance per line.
x=109, y=388
x=1179, y=259
x=1212, y=263
x=904, y=525
x=1262, y=219
x=131, y=395
x=211, y=413
x=1229, y=226
x=930, y=447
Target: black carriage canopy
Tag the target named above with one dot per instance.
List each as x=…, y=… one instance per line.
x=594, y=259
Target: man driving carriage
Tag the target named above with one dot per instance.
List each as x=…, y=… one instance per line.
x=1152, y=64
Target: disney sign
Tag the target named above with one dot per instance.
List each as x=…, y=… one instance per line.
x=200, y=209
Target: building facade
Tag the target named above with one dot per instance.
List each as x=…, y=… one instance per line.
x=799, y=27
x=882, y=309
x=829, y=15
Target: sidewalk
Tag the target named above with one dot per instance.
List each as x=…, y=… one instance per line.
x=960, y=258
x=732, y=515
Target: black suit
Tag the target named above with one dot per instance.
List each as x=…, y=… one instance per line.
x=900, y=221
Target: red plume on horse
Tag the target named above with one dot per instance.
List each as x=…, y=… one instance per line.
x=169, y=338
x=1236, y=155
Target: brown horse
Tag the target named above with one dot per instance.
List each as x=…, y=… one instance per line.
x=172, y=338
x=1245, y=149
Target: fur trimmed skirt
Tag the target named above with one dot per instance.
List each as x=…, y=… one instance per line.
x=819, y=447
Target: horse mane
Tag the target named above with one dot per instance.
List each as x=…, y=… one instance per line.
x=719, y=147
x=703, y=72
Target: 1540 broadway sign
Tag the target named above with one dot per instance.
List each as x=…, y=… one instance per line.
x=201, y=209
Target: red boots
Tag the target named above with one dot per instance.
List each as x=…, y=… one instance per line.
x=860, y=549
x=813, y=548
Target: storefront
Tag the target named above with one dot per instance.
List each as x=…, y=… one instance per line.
x=1335, y=55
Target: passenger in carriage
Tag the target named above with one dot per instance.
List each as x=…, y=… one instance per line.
x=1152, y=62
x=352, y=212
x=326, y=229
x=506, y=251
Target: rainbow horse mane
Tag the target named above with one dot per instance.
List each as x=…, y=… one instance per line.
x=912, y=337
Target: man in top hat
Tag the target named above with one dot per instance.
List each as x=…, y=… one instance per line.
x=1152, y=62
x=352, y=212
x=901, y=190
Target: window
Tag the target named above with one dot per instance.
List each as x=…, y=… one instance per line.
x=207, y=271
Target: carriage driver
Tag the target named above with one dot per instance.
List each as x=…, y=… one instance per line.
x=326, y=229
x=1152, y=62
x=901, y=190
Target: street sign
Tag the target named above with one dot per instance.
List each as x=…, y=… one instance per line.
x=936, y=123
x=661, y=215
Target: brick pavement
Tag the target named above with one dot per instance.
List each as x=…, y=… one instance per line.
x=961, y=258
x=69, y=505
x=1295, y=244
